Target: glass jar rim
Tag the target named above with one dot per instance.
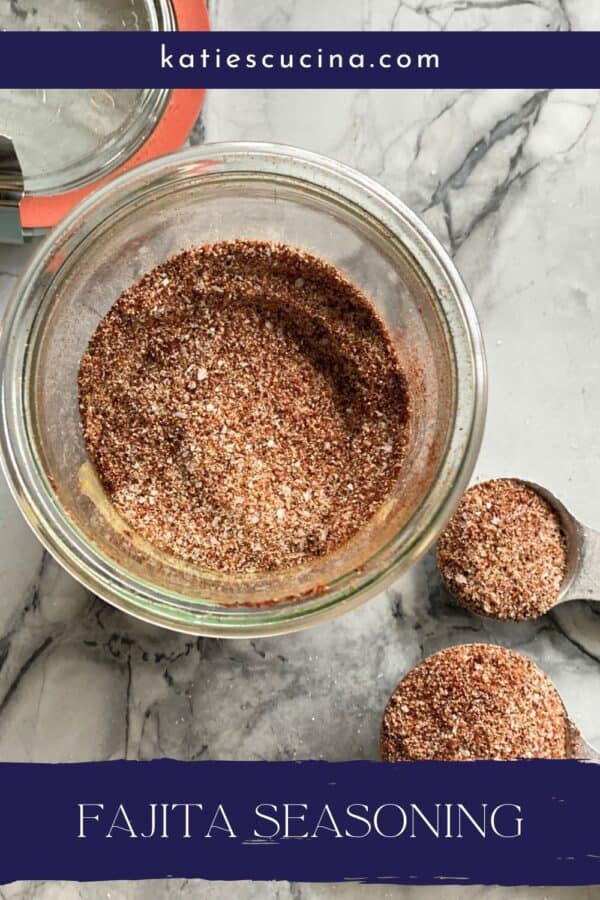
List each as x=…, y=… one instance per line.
x=144, y=599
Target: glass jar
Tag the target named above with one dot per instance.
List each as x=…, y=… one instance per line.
x=217, y=192
x=56, y=146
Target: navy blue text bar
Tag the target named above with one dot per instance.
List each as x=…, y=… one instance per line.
x=533, y=822
x=295, y=59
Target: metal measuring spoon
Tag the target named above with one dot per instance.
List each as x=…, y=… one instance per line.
x=582, y=576
x=578, y=747
x=581, y=582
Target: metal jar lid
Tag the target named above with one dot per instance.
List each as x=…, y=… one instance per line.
x=56, y=146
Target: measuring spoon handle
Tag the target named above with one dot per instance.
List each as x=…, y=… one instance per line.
x=578, y=746
x=586, y=583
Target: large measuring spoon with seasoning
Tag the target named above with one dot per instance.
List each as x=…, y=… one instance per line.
x=513, y=551
x=479, y=701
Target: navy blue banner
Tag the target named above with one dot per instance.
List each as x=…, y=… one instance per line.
x=533, y=822
x=294, y=59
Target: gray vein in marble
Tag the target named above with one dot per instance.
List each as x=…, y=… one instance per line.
x=18, y=11
x=198, y=133
x=562, y=4
x=522, y=120
x=14, y=684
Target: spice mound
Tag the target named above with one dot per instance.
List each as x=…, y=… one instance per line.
x=475, y=701
x=244, y=407
x=503, y=553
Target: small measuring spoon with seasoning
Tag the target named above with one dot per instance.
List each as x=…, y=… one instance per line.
x=513, y=551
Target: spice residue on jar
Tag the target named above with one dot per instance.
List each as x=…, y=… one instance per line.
x=504, y=554
x=244, y=407
x=475, y=701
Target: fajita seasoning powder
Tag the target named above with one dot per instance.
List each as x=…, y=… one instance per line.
x=244, y=407
x=503, y=553
x=475, y=701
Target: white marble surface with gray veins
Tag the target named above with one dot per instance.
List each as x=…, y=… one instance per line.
x=510, y=182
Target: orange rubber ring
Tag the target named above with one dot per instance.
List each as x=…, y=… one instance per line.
x=170, y=133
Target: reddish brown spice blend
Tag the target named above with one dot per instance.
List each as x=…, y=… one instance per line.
x=244, y=407
x=503, y=553
x=475, y=701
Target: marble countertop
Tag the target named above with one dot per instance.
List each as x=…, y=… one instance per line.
x=510, y=182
